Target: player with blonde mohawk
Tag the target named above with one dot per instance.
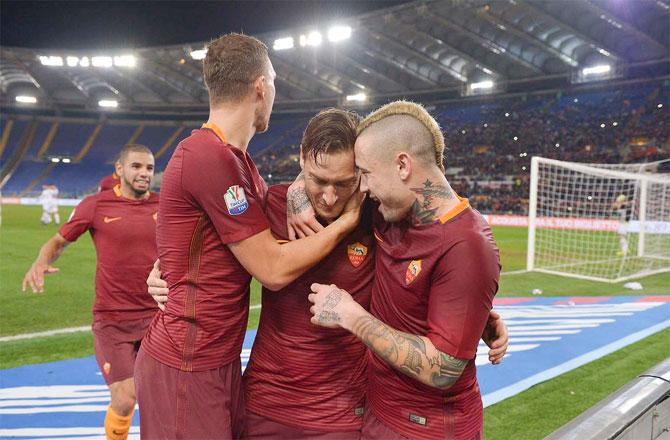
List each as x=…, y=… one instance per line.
x=437, y=270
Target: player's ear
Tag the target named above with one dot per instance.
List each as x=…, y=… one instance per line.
x=118, y=167
x=260, y=87
x=403, y=163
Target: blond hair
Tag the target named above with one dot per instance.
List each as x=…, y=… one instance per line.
x=416, y=112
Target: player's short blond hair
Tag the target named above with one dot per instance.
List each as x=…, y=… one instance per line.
x=415, y=111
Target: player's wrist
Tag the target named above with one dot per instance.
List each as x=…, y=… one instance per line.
x=351, y=314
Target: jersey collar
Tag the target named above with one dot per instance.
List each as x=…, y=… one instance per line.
x=215, y=128
x=462, y=205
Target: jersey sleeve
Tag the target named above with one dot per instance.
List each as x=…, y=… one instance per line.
x=461, y=296
x=222, y=185
x=80, y=221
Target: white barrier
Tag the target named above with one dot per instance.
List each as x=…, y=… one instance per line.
x=584, y=224
x=36, y=201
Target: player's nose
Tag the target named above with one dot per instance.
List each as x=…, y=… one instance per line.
x=329, y=197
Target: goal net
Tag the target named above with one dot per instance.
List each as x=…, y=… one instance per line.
x=598, y=222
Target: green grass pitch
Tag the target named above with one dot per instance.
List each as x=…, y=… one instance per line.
x=68, y=299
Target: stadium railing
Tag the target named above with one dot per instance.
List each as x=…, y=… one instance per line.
x=640, y=410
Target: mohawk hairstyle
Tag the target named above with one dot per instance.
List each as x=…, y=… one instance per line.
x=416, y=111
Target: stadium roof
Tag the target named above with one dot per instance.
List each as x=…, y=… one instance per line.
x=424, y=48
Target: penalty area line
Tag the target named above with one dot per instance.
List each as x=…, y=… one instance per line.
x=514, y=272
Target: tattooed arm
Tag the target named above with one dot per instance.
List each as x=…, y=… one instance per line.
x=413, y=355
x=300, y=215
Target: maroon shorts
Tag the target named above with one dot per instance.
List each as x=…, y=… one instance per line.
x=116, y=344
x=260, y=427
x=374, y=429
x=175, y=404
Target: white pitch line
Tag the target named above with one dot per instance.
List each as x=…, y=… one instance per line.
x=46, y=333
x=61, y=331
x=514, y=272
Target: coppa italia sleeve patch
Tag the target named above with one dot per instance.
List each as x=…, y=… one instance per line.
x=236, y=201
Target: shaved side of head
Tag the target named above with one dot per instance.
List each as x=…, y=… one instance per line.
x=405, y=126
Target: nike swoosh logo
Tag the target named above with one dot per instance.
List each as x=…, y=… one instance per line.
x=111, y=219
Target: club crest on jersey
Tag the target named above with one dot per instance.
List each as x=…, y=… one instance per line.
x=107, y=368
x=357, y=253
x=236, y=201
x=413, y=271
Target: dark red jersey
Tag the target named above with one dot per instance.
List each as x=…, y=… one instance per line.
x=211, y=195
x=300, y=374
x=124, y=235
x=436, y=280
x=108, y=182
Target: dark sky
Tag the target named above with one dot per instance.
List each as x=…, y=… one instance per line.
x=126, y=24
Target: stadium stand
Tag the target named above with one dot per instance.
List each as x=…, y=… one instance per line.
x=489, y=144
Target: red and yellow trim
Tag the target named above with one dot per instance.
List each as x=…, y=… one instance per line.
x=215, y=128
x=117, y=190
x=463, y=204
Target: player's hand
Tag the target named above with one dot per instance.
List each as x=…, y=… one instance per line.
x=496, y=337
x=35, y=277
x=331, y=306
x=158, y=287
x=300, y=214
x=352, y=210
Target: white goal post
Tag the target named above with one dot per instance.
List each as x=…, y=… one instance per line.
x=598, y=222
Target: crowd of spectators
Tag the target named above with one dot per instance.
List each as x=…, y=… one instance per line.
x=489, y=146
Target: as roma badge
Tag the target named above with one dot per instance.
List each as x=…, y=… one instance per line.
x=413, y=271
x=357, y=253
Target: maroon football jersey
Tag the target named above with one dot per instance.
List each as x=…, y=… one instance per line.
x=211, y=195
x=124, y=235
x=436, y=280
x=300, y=374
x=108, y=182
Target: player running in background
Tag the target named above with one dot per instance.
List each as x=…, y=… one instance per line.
x=622, y=214
x=437, y=269
x=49, y=201
x=108, y=182
x=295, y=365
x=212, y=235
x=122, y=224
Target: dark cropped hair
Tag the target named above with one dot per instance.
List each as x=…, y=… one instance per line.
x=331, y=130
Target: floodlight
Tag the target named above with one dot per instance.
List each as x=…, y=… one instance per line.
x=26, y=99
x=66, y=160
x=102, y=61
x=55, y=159
x=199, y=54
x=358, y=97
x=283, y=43
x=112, y=103
x=339, y=33
x=84, y=62
x=314, y=38
x=72, y=61
x=596, y=70
x=488, y=84
x=125, y=61
x=51, y=60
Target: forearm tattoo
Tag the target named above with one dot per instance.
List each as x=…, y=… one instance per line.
x=408, y=353
x=297, y=201
x=424, y=211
